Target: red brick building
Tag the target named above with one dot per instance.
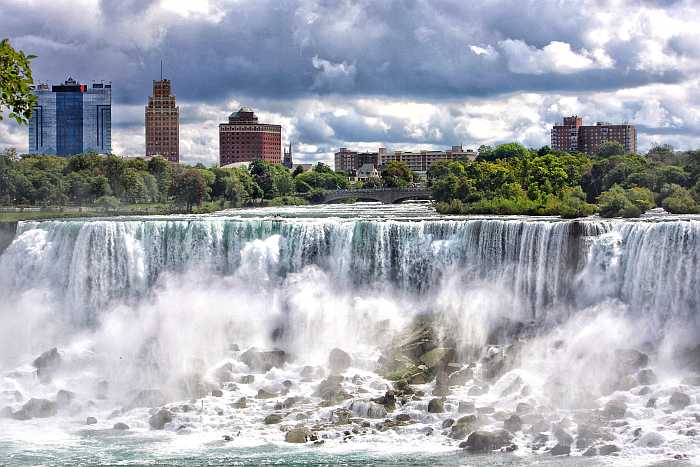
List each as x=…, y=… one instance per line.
x=573, y=135
x=243, y=139
x=163, y=123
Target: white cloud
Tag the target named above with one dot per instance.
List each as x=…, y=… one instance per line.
x=333, y=76
x=556, y=57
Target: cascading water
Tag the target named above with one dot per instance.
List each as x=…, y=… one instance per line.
x=160, y=302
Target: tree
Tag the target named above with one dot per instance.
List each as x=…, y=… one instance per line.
x=611, y=148
x=15, y=81
x=504, y=151
x=108, y=203
x=679, y=201
x=189, y=188
x=397, y=174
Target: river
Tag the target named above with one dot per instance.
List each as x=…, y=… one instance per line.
x=153, y=316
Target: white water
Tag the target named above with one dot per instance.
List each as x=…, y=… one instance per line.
x=145, y=303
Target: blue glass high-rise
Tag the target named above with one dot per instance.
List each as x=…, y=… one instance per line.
x=71, y=118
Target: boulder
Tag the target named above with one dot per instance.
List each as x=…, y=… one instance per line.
x=478, y=390
x=388, y=400
x=147, y=398
x=448, y=422
x=651, y=439
x=120, y=426
x=266, y=394
x=590, y=452
x=160, y=418
x=90, y=421
x=679, y=400
x=651, y=403
x=645, y=377
x=367, y=409
x=264, y=360
x=403, y=418
x=560, y=450
x=627, y=361
x=522, y=408
x=513, y=423
x=466, y=407
x=331, y=389
x=36, y=408
x=339, y=361
x=272, y=419
x=217, y=393
x=564, y=438
x=689, y=358
x=64, y=398
x=513, y=387
x=486, y=441
x=298, y=435
x=615, y=409
x=463, y=426
x=608, y=449
x=224, y=372
x=341, y=416
x=46, y=364
x=436, y=406
x=241, y=403
x=247, y=379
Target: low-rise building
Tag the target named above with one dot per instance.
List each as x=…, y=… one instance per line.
x=244, y=139
x=350, y=162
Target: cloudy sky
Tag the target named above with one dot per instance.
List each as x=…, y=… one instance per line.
x=364, y=73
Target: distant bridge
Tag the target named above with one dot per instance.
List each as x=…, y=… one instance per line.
x=384, y=195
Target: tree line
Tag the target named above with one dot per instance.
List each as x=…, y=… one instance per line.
x=511, y=179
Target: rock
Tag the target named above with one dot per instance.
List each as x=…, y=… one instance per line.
x=560, y=450
x=460, y=377
x=272, y=419
x=264, y=360
x=466, y=407
x=651, y=403
x=608, y=449
x=485, y=410
x=36, y=408
x=298, y=435
x=90, y=421
x=513, y=423
x=307, y=372
x=477, y=390
x=590, y=452
x=265, y=394
x=564, y=438
x=160, y=418
x=645, y=377
x=64, y=398
x=522, y=408
x=147, y=398
x=403, y=417
x=339, y=361
x=651, y=439
x=241, y=403
x=628, y=361
x=691, y=380
x=679, y=400
x=217, y=393
x=120, y=426
x=513, y=387
x=247, y=379
x=224, y=372
x=463, y=426
x=331, y=389
x=485, y=441
x=644, y=391
x=615, y=409
x=46, y=364
x=438, y=358
x=388, y=400
x=341, y=416
x=436, y=406
x=367, y=409
x=418, y=378
x=448, y=422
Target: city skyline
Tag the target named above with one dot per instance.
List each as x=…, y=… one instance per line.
x=492, y=80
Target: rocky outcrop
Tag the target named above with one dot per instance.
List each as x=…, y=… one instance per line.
x=487, y=441
x=121, y=426
x=560, y=450
x=266, y=394
x=160, y=418
x=367, y=409
x=513, y=423
x=463, y=426
x=331, y=389
x=46, y=364
x=614, y=409
x=90, y=421
x=272, y=419
x=298, y=435
x=36, y=408
x=264, y=360
x=339, y=361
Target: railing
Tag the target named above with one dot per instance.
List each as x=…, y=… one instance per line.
x=374, y=190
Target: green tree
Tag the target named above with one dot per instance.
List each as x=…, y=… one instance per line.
x=15, y=81
x=679, y=201
x=189, y=188
x=611, y=148
x=397, y=174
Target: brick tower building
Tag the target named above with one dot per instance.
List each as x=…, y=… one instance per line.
x=163, y=123
x=244, y=139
